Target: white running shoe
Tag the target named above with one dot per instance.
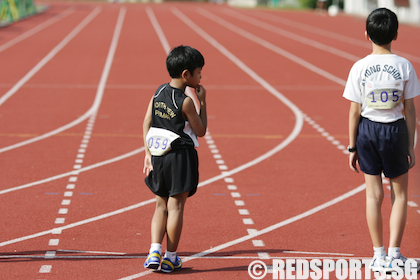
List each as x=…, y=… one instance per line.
x=403, y=259
x=381, y=264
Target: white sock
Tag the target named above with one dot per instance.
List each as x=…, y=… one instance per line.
x=156, y=247
x=171, y=256
x=394, y=252
x=379, y=251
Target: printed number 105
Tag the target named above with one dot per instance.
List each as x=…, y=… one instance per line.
x=385, y=96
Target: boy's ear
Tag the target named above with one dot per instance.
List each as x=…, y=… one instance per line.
x=185, y=73
x=367, y=36
x=395, y=38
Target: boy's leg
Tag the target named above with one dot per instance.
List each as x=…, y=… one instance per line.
x=158, y=228
x=159, y=220
x=399, y=186
x=175, y=220
x=374, y=198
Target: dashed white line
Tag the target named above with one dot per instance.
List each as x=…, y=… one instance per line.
x=68, y=194
x=59, y=220
x=63, y=211
x=239, y=203
x=412, y=204
x=235, y=194
x=263, y=255
x=248, y=221
x=329, y=137
x=258, y=243
x=45, y=269
x=54, y=242
x=73, y=179
x=65, y=202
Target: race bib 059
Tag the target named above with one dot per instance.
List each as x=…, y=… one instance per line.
x=384, y=94
x=159, y=140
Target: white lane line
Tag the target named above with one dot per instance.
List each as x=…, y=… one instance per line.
x=329, y=34
x=298, y=114
x=263, y=231
x=36, y=29
x=125, y=256
x=71, y=173
x=158, y=30
x=167, y=48
x=252, y=233
x=99, y=92
x=50, y=55
x=83, y=222
x=90, y=252
x=272, y=47
x=317, y=253
x=293, y=36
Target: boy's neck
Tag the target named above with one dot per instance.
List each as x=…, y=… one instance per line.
x=178, y=83
x=381, y=49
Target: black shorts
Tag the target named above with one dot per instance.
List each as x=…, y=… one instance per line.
x=174, y=173
x=383, y=147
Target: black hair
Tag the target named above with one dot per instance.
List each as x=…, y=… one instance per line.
x=183, y=58
x=382, y=26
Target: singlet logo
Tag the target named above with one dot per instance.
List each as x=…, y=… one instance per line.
x=167, y=112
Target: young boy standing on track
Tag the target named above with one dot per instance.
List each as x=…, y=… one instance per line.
x=170, y=128
x=382, y=123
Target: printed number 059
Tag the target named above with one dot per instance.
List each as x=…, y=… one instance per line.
x=156, y=144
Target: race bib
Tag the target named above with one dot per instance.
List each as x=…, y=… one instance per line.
x=384, y=94
x=159, y=140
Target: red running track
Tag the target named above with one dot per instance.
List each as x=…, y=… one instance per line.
x=274, y=179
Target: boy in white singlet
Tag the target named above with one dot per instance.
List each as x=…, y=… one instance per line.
x=382, y=123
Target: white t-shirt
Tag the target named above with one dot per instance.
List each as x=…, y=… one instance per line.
x=381, y=82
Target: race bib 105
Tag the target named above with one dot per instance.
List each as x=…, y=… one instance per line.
x=384, y=94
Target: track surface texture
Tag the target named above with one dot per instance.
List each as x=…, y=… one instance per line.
x=274, y=177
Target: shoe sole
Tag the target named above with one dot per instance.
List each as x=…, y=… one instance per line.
x=386, y=270
x=152, y=266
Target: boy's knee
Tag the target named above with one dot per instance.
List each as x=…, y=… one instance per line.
x=375, y=196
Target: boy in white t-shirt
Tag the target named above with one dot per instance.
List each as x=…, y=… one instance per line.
x=382, y=123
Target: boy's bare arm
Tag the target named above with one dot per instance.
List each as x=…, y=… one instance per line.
x=410, y=118
x=201, y=94
x=146, y=125
x=354, y=119
x=198, y=122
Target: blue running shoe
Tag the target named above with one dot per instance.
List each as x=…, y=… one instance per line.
x=381, y=264
x=153, y=260
x=402, y=263
x=168, y=266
